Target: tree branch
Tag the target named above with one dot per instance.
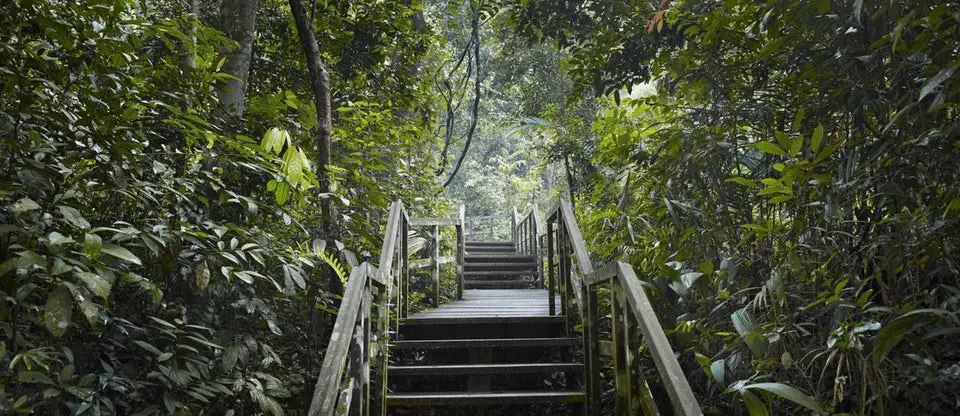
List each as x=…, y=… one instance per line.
x=476, y=98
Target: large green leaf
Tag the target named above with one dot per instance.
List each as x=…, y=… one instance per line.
x=771, y=148
x=24, y=205
x=755, y=406
x=893, y=332
x=788, y=392
x=58, y=311
x=782, y=390
x=121, y=253
x=73, y=216
x=936, y=80
x=96, y=284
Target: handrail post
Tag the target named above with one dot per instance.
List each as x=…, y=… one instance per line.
x=435, y=257
x=551, y=295
x=535, y=243
x=405, y=263
x=461, y=251
x=513, y=228
x=591, y=353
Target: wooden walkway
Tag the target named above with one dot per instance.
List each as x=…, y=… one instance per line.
x=492, y=303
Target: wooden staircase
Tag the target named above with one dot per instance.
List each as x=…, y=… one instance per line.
x=522, y=337
x=496, y=351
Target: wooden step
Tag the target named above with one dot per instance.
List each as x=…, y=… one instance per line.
x=498, y=258
x=472, y=251
x=522, y=368
x=489, y=243
x=499, y=284
x=430, y=344
x=476, y=320
x=492, y=267
x=484, y=398
x=467, y=274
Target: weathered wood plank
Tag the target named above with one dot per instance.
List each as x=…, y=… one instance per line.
x=428, y=222
x=675, y=382
x=389, y=243
x=576, y=239
x=424, y=263
x=328, y=382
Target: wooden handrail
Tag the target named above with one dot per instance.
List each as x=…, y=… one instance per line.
x=639, y=314
x=325, y=393
x=347, y=359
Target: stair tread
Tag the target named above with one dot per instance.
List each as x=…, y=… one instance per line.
x=497, y=257
x=483, y=368
x=492, y=318
x=489, y=242
x=486, y=343
x=486, y=397
x=497, y=272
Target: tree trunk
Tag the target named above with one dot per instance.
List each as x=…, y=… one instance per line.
x=320, y=84
x=238, y=19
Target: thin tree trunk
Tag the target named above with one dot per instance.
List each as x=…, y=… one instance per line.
x=320, y=84
x=238, y=19
x=571, y=183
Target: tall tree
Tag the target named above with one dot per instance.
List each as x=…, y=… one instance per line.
x=238, y=19
x=320, y=84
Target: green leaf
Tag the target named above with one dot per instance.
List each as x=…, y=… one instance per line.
x=748, y=329
x=798, y=119
x=96, y=284
x=935, y=81
x=783, y=139
x=34, y=377
x=796, y=145
x=89, y=309
x=121, y=253
x=92, y=244
x=893, y=332
x=274, y=140
x=148, y=347
x=817, y=138
x=58, y=311
x=771, y=148
x=57, y=239
x=73, y=217
x=788, y=392
x=780, y=199
x=742, y=181
x=719, y=370
x=755, y=406
x=24, y=205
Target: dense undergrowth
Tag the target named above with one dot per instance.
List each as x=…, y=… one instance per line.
x=159, y=256
x=789, y=190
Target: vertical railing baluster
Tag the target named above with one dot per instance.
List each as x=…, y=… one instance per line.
x=405, y=270
x=435, y=256
x=591, y=349
x=639, y=390
x=621, y=369
x=551, y=294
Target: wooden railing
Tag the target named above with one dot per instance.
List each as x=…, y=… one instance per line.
x=631, y=312
x=526, y=235
x=374, y=301
x=486, y=226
